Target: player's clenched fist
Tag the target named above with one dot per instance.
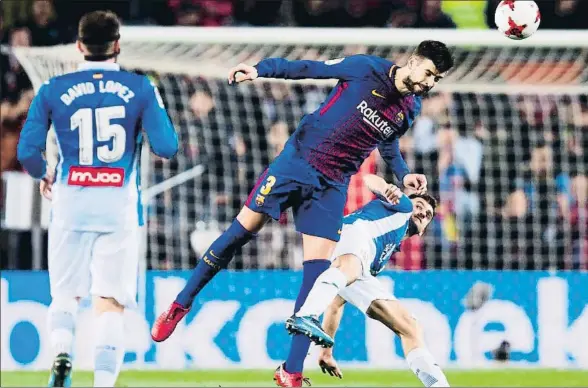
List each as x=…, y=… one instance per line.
x=45, y=186
x=415, y=182
x=392, y=193
x=242, y=72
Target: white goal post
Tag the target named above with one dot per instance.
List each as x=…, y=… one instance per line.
x=487, y=108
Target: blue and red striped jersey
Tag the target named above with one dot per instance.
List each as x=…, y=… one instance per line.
x=364, y=111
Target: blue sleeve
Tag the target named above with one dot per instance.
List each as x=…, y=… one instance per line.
x=33, y=136
x=390, y=152
x=404, y=206
x=563, y=184
x=352, y=67
x=156, y=123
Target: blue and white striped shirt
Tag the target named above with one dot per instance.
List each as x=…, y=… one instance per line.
x=385, y=224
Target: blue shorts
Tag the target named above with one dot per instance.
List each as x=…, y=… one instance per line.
x=317, y=202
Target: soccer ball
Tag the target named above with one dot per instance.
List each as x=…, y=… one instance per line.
x=517, y=19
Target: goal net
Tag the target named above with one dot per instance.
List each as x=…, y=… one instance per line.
x=502, y=140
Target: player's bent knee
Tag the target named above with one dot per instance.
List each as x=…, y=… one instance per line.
x=350, y=265
x=107, y=304
x=252, y=221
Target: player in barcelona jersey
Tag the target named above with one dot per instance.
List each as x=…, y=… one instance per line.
x=369, y=238
x=374, y=103
x=98, y=114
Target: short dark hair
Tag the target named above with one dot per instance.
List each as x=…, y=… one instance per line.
x=97, y=30
x=437, y=52
x=428, y=198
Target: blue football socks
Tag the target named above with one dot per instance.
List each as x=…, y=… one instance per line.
x=217, y=257
x=300, y=343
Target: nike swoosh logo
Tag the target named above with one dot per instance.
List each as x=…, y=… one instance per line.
x=375, y=93
x=213, y=255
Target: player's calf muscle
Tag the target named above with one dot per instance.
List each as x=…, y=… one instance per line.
x=398, y=319
x=252, y=221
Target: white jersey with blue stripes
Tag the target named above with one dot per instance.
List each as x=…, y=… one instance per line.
x=99, y=114
x=384, y=224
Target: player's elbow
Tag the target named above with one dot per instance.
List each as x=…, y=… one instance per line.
x=166, y=150
x=30, y=159
x=24, y=153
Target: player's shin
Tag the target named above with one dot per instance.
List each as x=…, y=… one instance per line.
x=423, y=364
x=418, y=357
x=109, y=341
x=344, y=270
x=62, y=321
x=325, y=289
x=217, y=257
x=300, y=343
x=392, y=314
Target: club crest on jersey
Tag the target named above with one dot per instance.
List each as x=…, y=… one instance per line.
x=380, y=263
x=259, y=200
x=372, y=118
x=399, y=118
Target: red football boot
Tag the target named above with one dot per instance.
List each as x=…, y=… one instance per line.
x=166, y=323
x=284, y=378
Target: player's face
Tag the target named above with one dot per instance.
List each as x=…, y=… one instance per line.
x=422, y=214
x=423, y=76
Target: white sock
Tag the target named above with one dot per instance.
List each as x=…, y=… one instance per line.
x=325, y=289
x=62, y=325
x=425, y=368
x=109, y=351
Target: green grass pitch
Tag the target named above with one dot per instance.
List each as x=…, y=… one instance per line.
x=351, y=378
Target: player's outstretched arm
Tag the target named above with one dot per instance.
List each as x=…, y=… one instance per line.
x=331, y=322
x=399, y=202
x=342, y=68
x=156, y=123
x=390, y=152
x=33, y=136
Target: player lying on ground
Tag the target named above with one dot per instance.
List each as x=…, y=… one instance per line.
x=370, y=236
x=374, y=103
x=96, y=210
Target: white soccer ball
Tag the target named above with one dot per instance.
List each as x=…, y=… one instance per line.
x=517, y=19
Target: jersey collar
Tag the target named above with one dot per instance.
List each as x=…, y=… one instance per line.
x=98, y=66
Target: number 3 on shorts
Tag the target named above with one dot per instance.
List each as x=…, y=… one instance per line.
x=269, y=183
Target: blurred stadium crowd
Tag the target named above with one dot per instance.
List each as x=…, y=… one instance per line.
x=492, y=215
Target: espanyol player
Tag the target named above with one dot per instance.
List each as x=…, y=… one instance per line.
x=374, y=103
x=97, y=113
x=369, y=237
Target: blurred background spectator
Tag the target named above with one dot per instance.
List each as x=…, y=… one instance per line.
x=53, y=21
x=513, y=215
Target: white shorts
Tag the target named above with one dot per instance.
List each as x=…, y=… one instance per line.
x=354, y=241
x=364, y=291
x=367, y=288
x=94, y=263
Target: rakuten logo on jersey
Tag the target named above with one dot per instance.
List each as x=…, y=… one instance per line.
x=96, y=176
x=372, y=118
